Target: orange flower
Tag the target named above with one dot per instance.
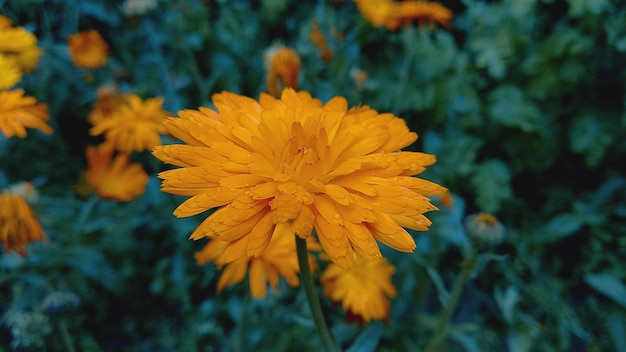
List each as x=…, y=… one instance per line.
x=117, y=179
x=283, y=69
x=18, y=223
x=18, y=45
x=318, y=38
x=362, y=290
x=392, y=15
x=109, y=101
x=280, y=167
x=135, y=125
x=88, y=49
x=279, y=259
x=18, y=112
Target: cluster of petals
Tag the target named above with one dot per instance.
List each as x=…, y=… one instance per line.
x=279, y=167
x=363, y=291
x=128, y=122
x=19, y=112
x=395, y=14
x=88, y=49
x=18, y=224
x=19, y=53
x=114, y=178
x=278, y=260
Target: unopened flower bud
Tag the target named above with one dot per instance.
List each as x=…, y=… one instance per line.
x=59, y=302
x=484, y=230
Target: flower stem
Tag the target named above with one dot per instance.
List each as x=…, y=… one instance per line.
x=314, y=304
x=65, y=335
x=440, y=332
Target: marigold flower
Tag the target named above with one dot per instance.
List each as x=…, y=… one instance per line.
x=283, y=68
x=363, y=290
x=394, y=14
x=280, y=167
x=279, y=259
x=18, y=112
x=11, y=73
x=20, y=45
x=88, y=49
x=18, y=224
x=135, y=125
x=109, y=100
x=317, y=37
x=114, y=178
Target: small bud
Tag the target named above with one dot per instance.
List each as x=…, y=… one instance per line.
x=59, y=302
x=484, y=230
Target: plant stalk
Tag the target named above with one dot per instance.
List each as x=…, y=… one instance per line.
x=314, y=304
x=65, y=335
x=444, y=319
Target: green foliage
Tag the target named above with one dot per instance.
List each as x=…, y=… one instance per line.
x=523, y=103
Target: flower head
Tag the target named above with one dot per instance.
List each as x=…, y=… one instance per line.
x=18, y=224
x=280, y=167
x=317, y=37
x=283, y=68
x=109, y=101
x=88, y=49
x=395, y=14
x=133, y=124
x=19, y=45
x=363, y=290
x=278, y=260
x=114, y=178
x=18, y=112
x=484, y=229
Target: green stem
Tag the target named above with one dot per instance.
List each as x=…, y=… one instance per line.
x=309, y=289
x=65, y=335
x=440, y=332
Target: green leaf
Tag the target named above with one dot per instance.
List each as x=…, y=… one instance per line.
x=588, y=137
x=561, y=226
x=587, y=7
x=608, y=285
x=492, y=184
x=510, y=107
x=368, y=340
x=618, y=331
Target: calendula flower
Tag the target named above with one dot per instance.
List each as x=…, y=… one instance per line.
x=11, y=73
x=278, y=260
x=279, y=167
x=109, y=101
x=114, y=178
x=88, y=49
x=18, y=112
x=394, y=14
x=283, y=65
x=19, y=44
x=363, y=290
x=136, y=125
x=18, y=224
x=318, y=38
